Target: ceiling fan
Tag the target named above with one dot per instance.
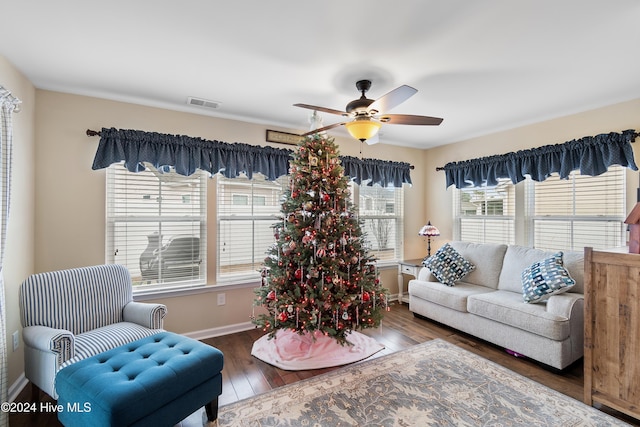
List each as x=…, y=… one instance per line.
x=367, y=115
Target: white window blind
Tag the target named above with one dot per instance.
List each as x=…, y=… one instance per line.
x=577, y=212
x=247, y=210
x=156, y=226
x=381, y=210
x=485, y=214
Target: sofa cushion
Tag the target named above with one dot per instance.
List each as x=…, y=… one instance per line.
x=448, y=266
x=487, y=257
x=518, y=258
x=545, y=278
x=574, y=263
x=508, y=308
x=453, y=297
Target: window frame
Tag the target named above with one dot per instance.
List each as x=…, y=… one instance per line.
x=251, y=274
x=532, y=218
x=485, y=221
x=397, y=217
x=113, y=219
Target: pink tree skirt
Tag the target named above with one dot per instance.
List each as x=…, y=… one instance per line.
x=294, y=352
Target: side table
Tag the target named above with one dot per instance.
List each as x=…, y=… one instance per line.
x=410, y=267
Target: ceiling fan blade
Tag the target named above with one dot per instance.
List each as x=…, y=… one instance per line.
x=373, y=140
x=322, y=129
x=408, y=119
x=392, y=99
x=323, y=109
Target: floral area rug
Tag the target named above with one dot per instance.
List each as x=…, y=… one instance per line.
x=431, y=384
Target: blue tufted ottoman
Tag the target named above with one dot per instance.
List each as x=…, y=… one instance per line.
x=155, y=381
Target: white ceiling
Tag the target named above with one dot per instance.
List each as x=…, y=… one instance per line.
x=483, y=66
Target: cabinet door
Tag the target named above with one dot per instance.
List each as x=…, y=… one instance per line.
x=612, y=330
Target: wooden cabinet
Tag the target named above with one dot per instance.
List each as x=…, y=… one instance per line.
x=612, y=330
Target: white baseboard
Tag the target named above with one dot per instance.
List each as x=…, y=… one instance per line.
x=17, y=387
x=219, y=331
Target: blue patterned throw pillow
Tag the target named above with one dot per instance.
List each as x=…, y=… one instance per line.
x=545, y=278
x=448, y=266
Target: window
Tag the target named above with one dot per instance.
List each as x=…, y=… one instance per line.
x=247, y=209
x=486, y=214
x=381, y=211
x=577, y=212
x=554, y=214
x=156, y=226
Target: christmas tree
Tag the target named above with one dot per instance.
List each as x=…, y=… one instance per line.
x=318, y=276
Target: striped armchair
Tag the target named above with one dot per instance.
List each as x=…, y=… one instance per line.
x=70, y=315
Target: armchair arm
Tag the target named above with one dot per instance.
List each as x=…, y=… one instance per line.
x=146, y=314
x=49, y=340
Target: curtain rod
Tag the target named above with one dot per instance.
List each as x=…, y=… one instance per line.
x=633, y=139
x=97, y=133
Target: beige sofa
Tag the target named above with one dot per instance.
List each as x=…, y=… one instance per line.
x=488, y=303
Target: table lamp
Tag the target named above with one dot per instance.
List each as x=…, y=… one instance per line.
x=429, y=231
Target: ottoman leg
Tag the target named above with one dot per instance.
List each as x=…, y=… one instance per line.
x=212, y=410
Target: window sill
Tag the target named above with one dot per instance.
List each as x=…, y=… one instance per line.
x=155, y=294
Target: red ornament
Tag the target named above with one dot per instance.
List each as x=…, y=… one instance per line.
x=326, y=197
x=283, y=317
x=366, y=297
x=299, y=273
x=271, y=295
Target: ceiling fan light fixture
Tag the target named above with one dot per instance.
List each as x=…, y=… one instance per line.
x=363, y=129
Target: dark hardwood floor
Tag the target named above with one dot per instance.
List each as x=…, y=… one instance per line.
x=245, y=376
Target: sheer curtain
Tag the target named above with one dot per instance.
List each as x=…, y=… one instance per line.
x=8, y=105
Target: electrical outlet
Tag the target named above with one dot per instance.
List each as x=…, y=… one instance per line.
x=222, y=299
x=16, y=340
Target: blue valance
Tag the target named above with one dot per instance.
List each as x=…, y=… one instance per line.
x=188, y=154
x=591, y=155
x=385, y=173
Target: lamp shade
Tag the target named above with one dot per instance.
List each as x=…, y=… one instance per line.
x=363, y=129
x=429, y=230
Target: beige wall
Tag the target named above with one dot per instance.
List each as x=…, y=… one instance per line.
x=19, y=256
x=70, y=212
x=614, y=118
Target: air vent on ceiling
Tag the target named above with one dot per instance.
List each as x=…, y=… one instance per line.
x=202, y=102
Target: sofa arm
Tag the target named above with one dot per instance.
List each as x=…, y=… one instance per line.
x=49, y=340
x=145, y=314
x=426, y=276
x=563, y=304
